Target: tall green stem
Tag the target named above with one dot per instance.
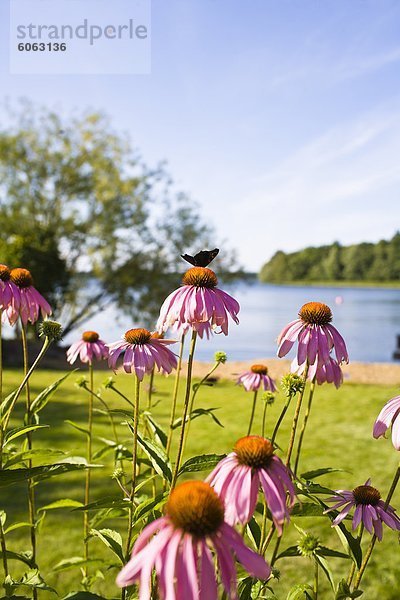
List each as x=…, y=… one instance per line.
x=134, y=462
x=185, y=408
x=315, y=580
x=39, y=357
x=194, y=394
x=304, y=425
x=280, y=418
x=296, y=419
x=150, y=392
x=31, y=490
x=87, y=479
x=373, y=539
x=3, y=548
x=175, y=395
x=264, y=419
x=353, y=565
x=253, y=410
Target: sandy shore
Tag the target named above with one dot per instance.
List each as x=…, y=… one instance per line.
x=355, y=372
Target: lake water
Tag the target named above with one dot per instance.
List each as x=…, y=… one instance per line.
x=368, y=319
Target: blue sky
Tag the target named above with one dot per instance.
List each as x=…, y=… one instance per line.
x=281, y=118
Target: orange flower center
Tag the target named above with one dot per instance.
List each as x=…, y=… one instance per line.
x=315, y=313
x=366, y=494
x=4, y=273
x=90, y=336
x=200, y=277
x=196, y=508
x=138, y=336
x=254, y=451
x=21, y=277
x=259, y=369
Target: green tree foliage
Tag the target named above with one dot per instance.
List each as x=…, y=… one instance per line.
x=358, y=262
x=92, y=222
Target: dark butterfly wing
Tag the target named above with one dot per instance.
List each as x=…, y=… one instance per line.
x=202, y=258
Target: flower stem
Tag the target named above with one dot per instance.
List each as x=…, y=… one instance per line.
x=304, y=425
x=39, y=357
x=353, y=566
x=280, y=418
x=315, y=580
x=373, y=539
x=3, y=548
x=264, y=419
x=175, y=395
x=31, y=491
x=87, y=479
x=1, y=391
x=150, y=392
x=134, y=462
x=194, y=393
x=253, y=409
x=295, y=420
x=185, y=408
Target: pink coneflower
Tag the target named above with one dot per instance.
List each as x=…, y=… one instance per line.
x=389, y=417
x=30, y=301
x=316, y=336
x=142, y=352
x=198, y=304
x=255, y=377
x=9, y=293
x=88, y=348
x=237, y=480
x=329, y=372
x=370, y=509
x=180, y=549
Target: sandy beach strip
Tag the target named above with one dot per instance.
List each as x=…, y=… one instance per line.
x=356, y=372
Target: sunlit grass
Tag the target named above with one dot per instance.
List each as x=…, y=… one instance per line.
x=339, y=435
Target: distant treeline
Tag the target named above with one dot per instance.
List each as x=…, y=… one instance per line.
x=359, y=262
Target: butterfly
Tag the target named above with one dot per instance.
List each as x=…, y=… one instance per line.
x=202, y=258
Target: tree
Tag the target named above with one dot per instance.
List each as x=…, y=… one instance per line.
x=93, y=223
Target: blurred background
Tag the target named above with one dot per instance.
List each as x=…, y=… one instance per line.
x=268, y=129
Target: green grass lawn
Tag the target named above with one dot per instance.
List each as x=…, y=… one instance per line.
x=339, y=435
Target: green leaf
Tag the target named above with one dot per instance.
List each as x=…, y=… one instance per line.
x=157, y=456
x=74, y=562
x=158, y=432
x=310, y=475
x=303, y=591
x=13, y=476
x=343, y=591
x=106, y=502
x=244, y=588
x=83, y=596
x=326, y=569
x=199, y=412
x=18, y=431
x=350, y=544
x=324, y=551
x=38, y=454
x=21, y=556
x=290, y=551
x=308, y=509
x=63, y=503
x=33, y=579
x=202, y=462
x=254, y=532
x=77, y=427
x=309, y=487
x=43, y=398
x=17, y=526
x=112, y=539
x=7, y=402
x=148, y=505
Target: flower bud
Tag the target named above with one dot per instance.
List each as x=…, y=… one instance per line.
x=51, y=330
x=220, y=357
x=292, y=384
